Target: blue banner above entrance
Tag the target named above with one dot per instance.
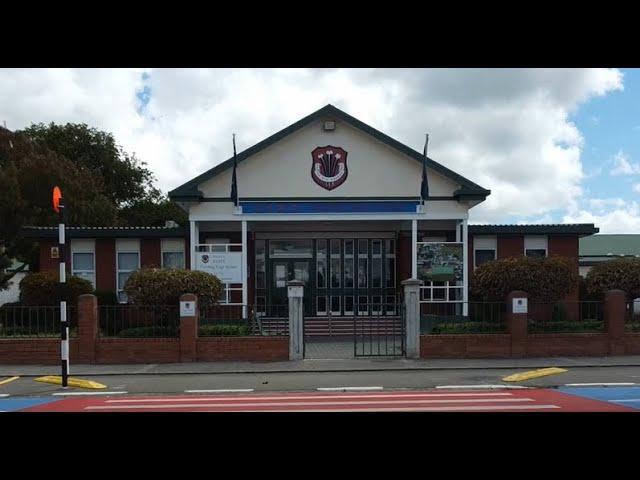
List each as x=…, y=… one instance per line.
x=330, y=207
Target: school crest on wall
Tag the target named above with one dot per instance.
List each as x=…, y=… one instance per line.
x=329, y=166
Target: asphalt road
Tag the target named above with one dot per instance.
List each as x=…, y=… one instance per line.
x=310, y=381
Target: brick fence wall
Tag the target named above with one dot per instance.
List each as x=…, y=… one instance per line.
x=519, y=343
x=89, y=347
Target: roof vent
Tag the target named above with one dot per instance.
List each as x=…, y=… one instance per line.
x=170, y=224
x=329, y=126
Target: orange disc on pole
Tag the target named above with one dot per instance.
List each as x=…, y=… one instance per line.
x=57, y=195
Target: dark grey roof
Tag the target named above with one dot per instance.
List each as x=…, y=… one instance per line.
x=468, y=190
x=104, y=232
x=559, y=228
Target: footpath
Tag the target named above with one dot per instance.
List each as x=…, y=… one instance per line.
x=338, y=365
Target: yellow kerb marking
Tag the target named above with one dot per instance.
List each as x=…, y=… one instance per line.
x=543, y=372
x=7, y=380
x=72, y=382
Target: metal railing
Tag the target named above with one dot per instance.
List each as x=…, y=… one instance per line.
x=449, y=318
x=376, y=333
x=35, y=321
x=632, y=316
x=139, y=321
x=570, y=317
x=228, y=320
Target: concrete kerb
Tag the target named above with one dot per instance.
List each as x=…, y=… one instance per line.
x=146, y=371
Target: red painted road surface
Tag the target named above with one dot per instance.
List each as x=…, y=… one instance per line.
x=393, y=401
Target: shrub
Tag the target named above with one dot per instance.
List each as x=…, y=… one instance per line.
x=223, y=330
x=564, y=326
x=150, y=331
x=154, y=286
x=469, y=327
x=622, y=273
x=544, y=279
x=43, y=288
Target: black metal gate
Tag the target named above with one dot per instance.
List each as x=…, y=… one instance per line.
x=379, y=330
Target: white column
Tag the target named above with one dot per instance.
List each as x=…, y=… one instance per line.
x=414, y=249
x=245, y=266
x=193, y=240
x=465, y=272
x=295, y=294
x=412, y=316
x=458, y=224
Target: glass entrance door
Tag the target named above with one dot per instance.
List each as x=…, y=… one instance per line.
x=285, y=270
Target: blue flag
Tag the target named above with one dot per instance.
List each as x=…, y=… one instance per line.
x=234, y=184
x=424, y=188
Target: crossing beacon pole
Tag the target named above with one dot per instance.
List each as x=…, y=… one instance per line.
x=58, y=206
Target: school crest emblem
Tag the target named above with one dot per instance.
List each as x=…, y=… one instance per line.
x=329, y=166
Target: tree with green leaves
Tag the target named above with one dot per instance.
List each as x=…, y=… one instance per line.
x=102, y=185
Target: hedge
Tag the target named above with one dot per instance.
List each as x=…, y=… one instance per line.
x=546, y=279
x=468, y=327
x=147, y=332
x=622, y=274
x=154, y=286
x=224, y=331
x=562, y=326
x=43, y=288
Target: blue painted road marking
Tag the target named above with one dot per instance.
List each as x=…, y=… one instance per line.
x=14, y=404
x=626, y=396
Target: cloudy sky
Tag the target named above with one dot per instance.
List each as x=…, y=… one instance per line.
x=552, y=145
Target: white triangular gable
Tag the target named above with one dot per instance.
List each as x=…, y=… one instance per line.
x=284, y=169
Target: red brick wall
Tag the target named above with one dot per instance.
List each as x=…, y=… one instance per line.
x=253, y=349
x=187, y=254
x=106, y=264
x=150, y=252
x=510, y=246
x=567, y=344
x=465, y=346
x=403, y=258
x=137, y=350
x=567, y=246
x=38, y=351
x=46, y=262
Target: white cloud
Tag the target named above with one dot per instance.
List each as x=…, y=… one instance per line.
x=505, y=129
x=621, y=216
x=636, y=187
x=622, y=165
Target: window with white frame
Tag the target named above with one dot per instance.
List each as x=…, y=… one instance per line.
x=220, y=245
x=83, y=259
x=172, y=253
x=127, y=262
x=485, y=249
x=535, y=246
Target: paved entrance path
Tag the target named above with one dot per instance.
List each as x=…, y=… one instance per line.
x=534, y=400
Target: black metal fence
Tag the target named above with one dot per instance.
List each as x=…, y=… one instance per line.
x=632, y=316
x=570, y=317
x=36, y=321
x=139, y=321
x=450, y=318
x=377, y=332
x=234, y=320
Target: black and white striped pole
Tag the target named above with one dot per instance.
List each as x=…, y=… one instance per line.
x=58, y=206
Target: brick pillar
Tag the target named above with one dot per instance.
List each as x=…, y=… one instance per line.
x=189, y=328
x=517, y=322
x=87, y=328
x=614, y=313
